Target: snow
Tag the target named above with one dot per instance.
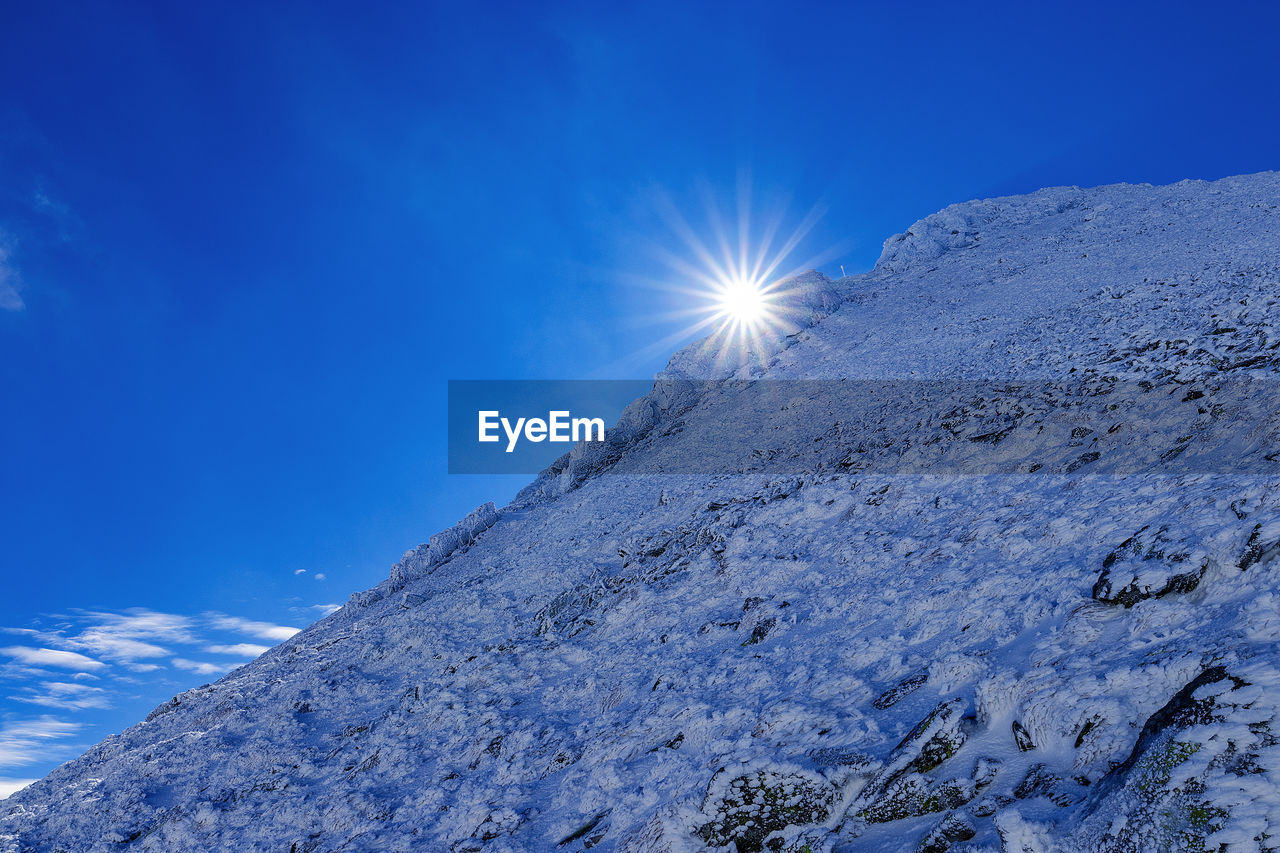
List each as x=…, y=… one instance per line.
x=599, y=662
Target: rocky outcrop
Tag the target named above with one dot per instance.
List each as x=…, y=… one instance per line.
x=1172, y=782
x=1152, y=563
x=745, y=809
x=443, y=545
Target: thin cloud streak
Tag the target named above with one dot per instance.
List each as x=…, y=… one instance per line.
x=13, y=786
x=27, y=741
x=264, y=630
x=248, y=650
x=67, y=696
x=83, y=662
x=202, y=667
x=123, y=638
x=52, y=657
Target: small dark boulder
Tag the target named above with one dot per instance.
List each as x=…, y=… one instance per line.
x=1152, y=563
x=746, y=808
x=903, y=688
x=1258, y=552
x=1022, y=738
x=954, y=827
x=1040, y=782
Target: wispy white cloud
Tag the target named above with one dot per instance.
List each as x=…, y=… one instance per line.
x=202, y=667
x=299, y=571
x=131, y=636
x=83, y=661
x=141, y=622
x=248, y=650
x=71, y=696
x=52, y=212
x=14, y=670
x=136, y=639
x=263, y=630
x=27, y=741
x=120, y=637
x=10, y=282
x=43, y=203
x=13, y=786
x=326, y=609
x=52, y=657
x=321, y=576
x=121, y=648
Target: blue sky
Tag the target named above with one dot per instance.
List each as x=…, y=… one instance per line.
x=243, y=247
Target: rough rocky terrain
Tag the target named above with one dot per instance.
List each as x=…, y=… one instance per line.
x=1042, y=617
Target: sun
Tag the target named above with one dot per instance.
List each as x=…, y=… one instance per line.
x=734, y=282
x=742, y=301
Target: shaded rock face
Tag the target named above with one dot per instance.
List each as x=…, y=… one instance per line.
x=1152, y=563
x=914, y=795
x=1260, y=549
x=952, y=828
x=834, y=658
x=906, y=788
x=1022, y=738
x=1172, y=781
x=933, y=740
x=893, y=695
x=747, y=810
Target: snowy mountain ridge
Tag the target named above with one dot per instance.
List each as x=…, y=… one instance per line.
x=842, y=656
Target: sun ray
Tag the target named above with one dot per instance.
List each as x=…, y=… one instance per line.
x=732, y=278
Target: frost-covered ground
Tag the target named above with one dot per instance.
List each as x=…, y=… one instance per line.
x=1070, y=654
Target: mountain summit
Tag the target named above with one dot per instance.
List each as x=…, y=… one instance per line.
x=993, y=570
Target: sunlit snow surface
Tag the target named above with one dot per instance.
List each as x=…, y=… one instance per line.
x=593, y=666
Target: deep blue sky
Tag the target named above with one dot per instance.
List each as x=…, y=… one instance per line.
x=244, y=246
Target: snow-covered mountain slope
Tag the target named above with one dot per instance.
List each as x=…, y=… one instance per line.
x=827, y=652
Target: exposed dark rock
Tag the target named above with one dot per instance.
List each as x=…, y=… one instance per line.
x=952, y=828
x=985, y=772
x=1082, y=460
x=914, y=795
x=988, y=806
x=900, y=790
x=1149, y=564
x=760, y=631
x=1167, y=807
x=1179, y=712
x=749, y=808
x=1040, y=782
x=1257, y=552
x=839, y=756
x=934, y=739
x=954, y=792
x=893, y=695
x=1088, y=727
x=585, y=830
x=674, y=743
x=1022, y=738
x=907, y=796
